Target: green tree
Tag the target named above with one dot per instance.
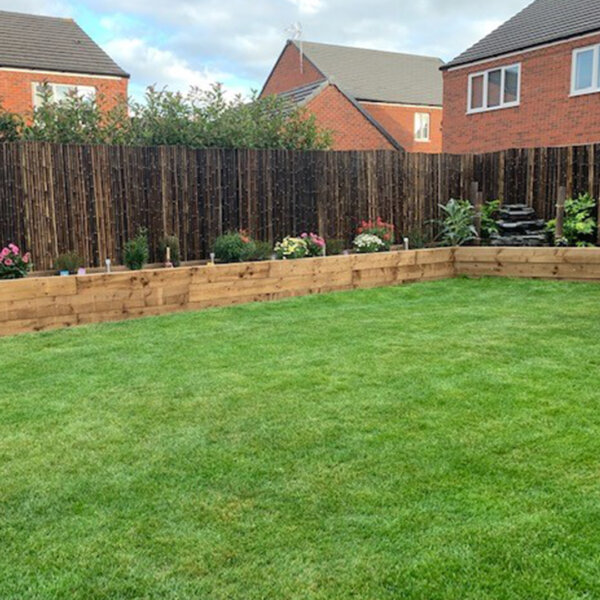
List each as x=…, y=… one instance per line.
x=198, y=119
x=10, y=126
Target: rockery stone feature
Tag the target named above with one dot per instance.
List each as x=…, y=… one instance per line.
x=519, y=226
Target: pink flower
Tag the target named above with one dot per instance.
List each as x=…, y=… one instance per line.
x=8, y=262
x=15, y=249
x=26, y=258
x=5, y=252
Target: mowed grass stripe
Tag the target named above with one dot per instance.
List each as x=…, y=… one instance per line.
x=434, y=441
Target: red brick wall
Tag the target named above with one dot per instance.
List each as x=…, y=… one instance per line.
x=287, y=74
x=547, y=115
x=399, y=121
x=16, y=88
x=351, y=129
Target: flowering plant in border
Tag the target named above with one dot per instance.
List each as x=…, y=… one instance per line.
x=384, y=231
x=13, y=264
x=314, y=243
x=365, y=243
x=291, y=247
x=236, y=246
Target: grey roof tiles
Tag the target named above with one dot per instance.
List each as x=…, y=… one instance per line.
x=379, y=76
x=51, y=44
x=541, y=22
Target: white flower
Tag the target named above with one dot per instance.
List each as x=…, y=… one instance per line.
x=369, y=242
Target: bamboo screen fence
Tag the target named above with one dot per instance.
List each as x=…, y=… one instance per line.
x=92, y=199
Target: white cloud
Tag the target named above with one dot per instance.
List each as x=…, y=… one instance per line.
x=56, y=8
x=308, y=7
x=482, y=28
x=149, y=65
x=183, y=42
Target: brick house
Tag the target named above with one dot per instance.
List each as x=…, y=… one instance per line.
x=367, y=98
x=535, y=81
x=35, y=50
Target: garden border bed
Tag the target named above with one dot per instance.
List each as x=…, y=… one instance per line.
x=40, y=303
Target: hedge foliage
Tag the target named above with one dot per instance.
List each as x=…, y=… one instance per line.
x=198, y=119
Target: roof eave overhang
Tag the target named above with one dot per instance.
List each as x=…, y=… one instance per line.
x=39, y=69
x=560, y=40
x=371, y=119
x=399, y=102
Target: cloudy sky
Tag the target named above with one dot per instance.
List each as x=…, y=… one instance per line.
x=179, y=43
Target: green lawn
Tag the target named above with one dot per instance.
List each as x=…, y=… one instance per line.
x=435, y=441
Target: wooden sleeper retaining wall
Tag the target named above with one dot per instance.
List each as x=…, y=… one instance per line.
x=39, y=303
x=36, y=304
x=575, y=264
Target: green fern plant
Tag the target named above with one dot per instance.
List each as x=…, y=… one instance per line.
x=579, y=228
x=490, y=213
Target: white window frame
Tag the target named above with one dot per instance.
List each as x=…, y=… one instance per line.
x=82, y=90
x=595, y=87
x=486, y=74
x=418, y=116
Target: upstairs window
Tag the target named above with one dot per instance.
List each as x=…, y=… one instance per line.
x=494, y=89
x=422, y=127
x=585, y=78
x=60, y=91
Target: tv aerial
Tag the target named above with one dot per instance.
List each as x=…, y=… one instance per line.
x=295, y=32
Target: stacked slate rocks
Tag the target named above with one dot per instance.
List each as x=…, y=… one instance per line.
x=519, y=226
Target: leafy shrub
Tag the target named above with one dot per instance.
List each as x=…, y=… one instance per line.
x=10, y=126
x=457, y=226
x=14, y=264
x=137, y=253
x=291, y=248
x=579, y=228
x=419, y=238
x=366, y=243
x=335, y=247
x=315, y=244
x=263, y=251
x=69, y=261
x=171, y=242
x=234, y=247
x=379, y=228
x=490, y=213
x=198, y=119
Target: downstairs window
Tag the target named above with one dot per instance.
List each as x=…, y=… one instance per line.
x=61, y=91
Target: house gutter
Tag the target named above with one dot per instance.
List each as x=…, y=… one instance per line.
x=455, y=66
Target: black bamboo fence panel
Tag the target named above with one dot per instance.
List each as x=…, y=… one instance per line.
x=92, y=199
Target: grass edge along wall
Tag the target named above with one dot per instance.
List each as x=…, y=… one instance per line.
x=40, y=303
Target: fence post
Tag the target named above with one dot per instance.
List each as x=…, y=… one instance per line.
x=560, y=213
x=597, y=222
x=475, y=196
x=478, y=216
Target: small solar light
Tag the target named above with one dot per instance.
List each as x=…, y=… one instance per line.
x=168, y=263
